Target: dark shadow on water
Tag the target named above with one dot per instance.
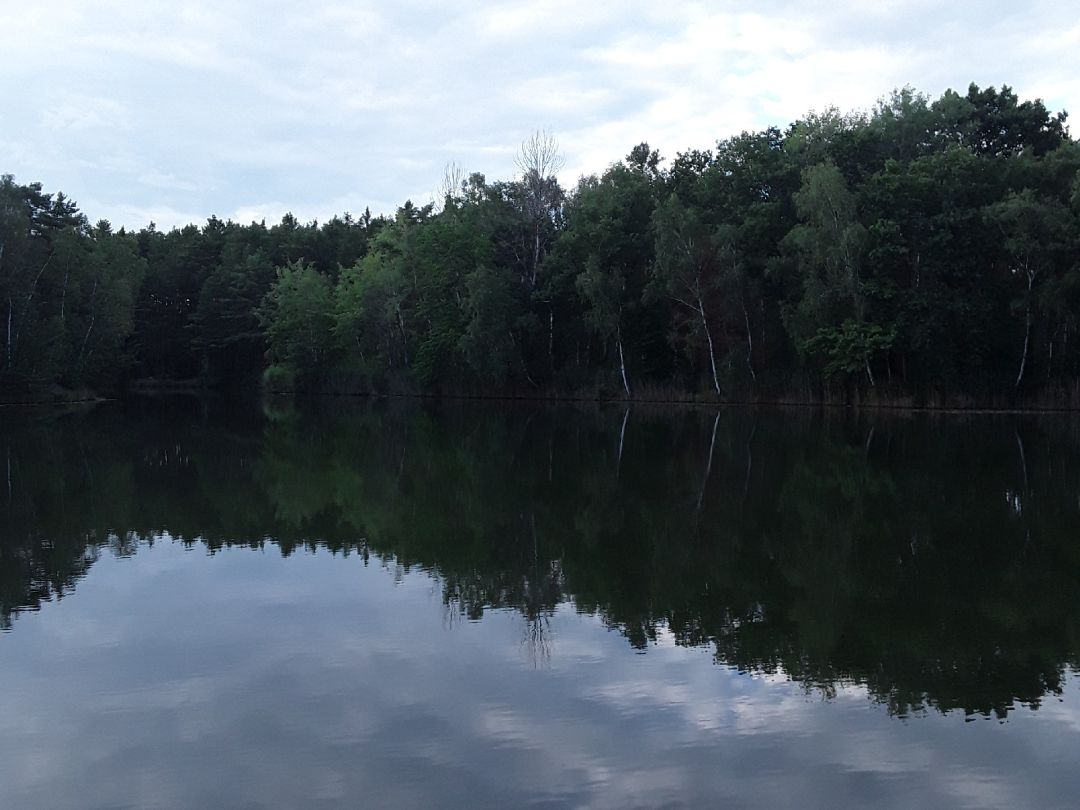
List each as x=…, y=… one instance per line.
x=934, y=559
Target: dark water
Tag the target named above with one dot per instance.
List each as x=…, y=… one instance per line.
x=420, y=606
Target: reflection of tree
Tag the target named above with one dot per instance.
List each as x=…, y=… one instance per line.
x=926, y=562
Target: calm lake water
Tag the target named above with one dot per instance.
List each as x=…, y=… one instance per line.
x=463, y=605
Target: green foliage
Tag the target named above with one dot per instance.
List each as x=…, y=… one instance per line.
x=67, y=293
x=849, y=348
x=934, y=244
x=297, y=316
x=492, y=311
x=225, y=322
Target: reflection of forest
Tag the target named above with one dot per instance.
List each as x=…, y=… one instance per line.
x=936, y=561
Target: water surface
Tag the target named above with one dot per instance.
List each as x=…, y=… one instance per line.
x=459, y=605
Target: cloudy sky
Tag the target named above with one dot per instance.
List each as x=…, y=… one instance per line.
x=172, y=111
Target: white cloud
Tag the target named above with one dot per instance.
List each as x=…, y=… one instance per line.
x=158, y=179
x=86, y=112
x=204, y=106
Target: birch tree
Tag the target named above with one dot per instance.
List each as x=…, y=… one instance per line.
x=607, y=247
x=831, y=243
x=686, y=269
x=1033, y=231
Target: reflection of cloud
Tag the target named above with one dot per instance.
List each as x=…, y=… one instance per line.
x=249, y=678
x=314, y=104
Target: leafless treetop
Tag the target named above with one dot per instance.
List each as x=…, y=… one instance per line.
x=452, y=180
x=540, y=154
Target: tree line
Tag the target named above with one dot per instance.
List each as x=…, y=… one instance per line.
x=926, y=249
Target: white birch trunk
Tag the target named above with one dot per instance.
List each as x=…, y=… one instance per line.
x=622, y=368
x=712, y=350
x=1027, y=330
x=749, y=341
x=551, y=337
x=93, y=320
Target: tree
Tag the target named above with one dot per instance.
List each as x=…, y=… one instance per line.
x=538, y=161
x=225, y=322
x=831, y=244
x=34, y=228
x=607, y=249
x=685, y=269
x=493, y=313
x=930, y=245
x=297, y=317
x=178, y=265
x=101, y=317
x=1034, y=233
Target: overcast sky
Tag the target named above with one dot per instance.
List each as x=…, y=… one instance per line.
x=172, y=111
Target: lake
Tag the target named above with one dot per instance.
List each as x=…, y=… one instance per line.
x=410, y=604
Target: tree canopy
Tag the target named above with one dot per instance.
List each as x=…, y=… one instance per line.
x=923, y=250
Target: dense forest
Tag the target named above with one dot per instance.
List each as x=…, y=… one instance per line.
x=927, y=251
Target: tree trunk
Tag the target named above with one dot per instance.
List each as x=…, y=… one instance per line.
x=29, y=299
x=551, y=338
x=1027, y=331
x=536, y=255
x=404, y=339
x=712, y=350
x=86, y=338
x=63, y=295
x=622, y=367
x=1027, y=342
x=8, y=344
x=93, y=320
x=749, y=342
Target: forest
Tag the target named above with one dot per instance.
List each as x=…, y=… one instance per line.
x=924, y=252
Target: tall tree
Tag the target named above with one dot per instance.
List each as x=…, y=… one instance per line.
x=297, y=318
x=686, y=268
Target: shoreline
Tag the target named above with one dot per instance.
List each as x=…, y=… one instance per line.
x=188, y=391
x=693, y=403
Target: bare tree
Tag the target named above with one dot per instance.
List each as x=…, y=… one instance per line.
x=540, y=155
x=539, y=160
x=451, y=185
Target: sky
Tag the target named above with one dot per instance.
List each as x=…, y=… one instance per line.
x=174, y=111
